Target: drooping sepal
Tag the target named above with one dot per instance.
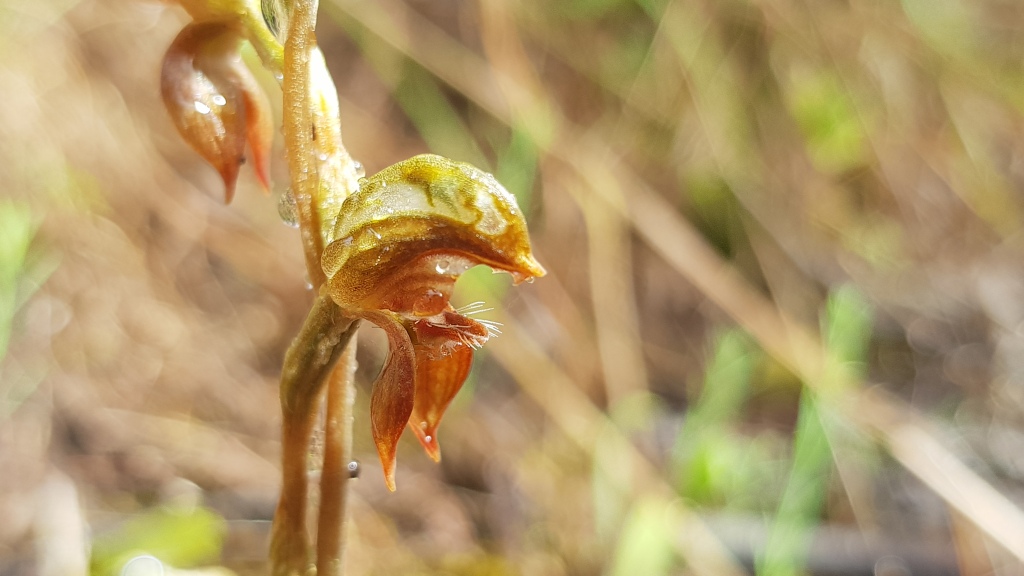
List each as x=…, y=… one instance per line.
x=444, y=353
x=259, y=132
x=215, y=102
x=391, y=401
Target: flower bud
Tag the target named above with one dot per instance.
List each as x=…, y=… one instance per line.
x=215, y=102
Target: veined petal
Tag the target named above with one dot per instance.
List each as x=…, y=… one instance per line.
x=215, y=102
x=444, y=353
x=411, y=229
x=391, y=402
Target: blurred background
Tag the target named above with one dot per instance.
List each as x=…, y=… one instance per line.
x=782, y=331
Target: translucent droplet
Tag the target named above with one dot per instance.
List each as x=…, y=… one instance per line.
x=442, y=266
x=323, y=157
x=358, y=167
x=427, y=438
x=201, y=107
x=353, y=469
x=309, y=283
x=219, y=100
x=287, y=209
x=144, y=565
x=279, y=76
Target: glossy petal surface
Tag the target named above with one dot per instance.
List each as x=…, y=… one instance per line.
x=414, y=227
x=215, y=102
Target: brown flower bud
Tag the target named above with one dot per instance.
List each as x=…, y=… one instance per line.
x=215, y=102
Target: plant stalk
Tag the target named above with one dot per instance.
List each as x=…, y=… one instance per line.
x=322, y=176
x=309, y=361
x=341, y=395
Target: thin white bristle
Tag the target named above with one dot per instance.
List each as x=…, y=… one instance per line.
x=473, y=308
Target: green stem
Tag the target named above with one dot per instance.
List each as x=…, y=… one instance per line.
x=341, y=394
x=298, y=135
x=310, y=359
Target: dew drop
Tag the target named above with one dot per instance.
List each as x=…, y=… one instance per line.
x=201, y=107
x=309, y=283
x=323, y=157
x=427, y=438
x=353, y=469
x=219, y=100
x=359, y=170
x=143, y=565
x=279, y=76
x=442, y=266
x=287, y=209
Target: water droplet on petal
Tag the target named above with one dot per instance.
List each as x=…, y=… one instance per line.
x=442, y=266
x=358, y=167
x=219, y=100
x=309, y=283
x=287, y=209
x=323, y=157
x=201, y=107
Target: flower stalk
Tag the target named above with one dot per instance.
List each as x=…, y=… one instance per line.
x=386, y=249
x=322, y=175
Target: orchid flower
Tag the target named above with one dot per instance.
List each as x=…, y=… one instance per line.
x=214, y=101
x=399, y=244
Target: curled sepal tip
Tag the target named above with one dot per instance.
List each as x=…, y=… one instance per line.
x=215, y=102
